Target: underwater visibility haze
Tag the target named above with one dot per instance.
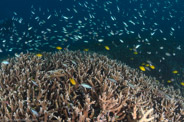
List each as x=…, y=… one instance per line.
x=145, y=36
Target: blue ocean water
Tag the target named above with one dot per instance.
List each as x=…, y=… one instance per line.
x=137, y=32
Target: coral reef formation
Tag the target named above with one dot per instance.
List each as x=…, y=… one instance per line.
x=80, y=86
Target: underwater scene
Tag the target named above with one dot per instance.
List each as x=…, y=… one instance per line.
x=92, y=60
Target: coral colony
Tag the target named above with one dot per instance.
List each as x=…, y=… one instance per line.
x=80, y=86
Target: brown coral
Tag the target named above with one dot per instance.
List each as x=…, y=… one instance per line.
x=38, y=88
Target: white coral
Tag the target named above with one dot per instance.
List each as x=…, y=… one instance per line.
x=144, y=118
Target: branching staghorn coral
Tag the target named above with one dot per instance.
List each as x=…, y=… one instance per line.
x=40, y=89
x=145, y=115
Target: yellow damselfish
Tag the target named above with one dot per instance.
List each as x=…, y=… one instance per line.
x=152, y=67
x=72, y=81
x=182, y=83
x=58, y=48
x=142, y=68
x=143, y=64
x=169, y=81
x=175, y=71
x=86, y=49
x=107, y=48
x=147, y=65
x=39, y=55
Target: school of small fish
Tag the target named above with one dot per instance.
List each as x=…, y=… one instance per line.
x=149, y=34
